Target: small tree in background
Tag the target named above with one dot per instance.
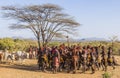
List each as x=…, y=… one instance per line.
x=113, y=39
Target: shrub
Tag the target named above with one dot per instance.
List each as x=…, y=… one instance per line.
x=106, y=75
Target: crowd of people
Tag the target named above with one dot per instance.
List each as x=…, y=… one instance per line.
x=68, y=58
x=75, y=57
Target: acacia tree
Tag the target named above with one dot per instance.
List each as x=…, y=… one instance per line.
x=113, y=39
x=45, y=21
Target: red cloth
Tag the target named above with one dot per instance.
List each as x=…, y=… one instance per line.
x=56, y=62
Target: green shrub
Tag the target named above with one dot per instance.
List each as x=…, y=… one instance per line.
x=106, y=75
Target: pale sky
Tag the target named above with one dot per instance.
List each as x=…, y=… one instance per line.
x=99, y=18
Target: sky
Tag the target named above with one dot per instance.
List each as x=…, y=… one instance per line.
x=98, y=18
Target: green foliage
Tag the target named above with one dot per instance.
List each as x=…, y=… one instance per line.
x=54, y=43
x=7, y=43
x=106, y=75
x=22, y=44
x=16, y=44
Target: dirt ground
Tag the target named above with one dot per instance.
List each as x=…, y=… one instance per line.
x=28, y=69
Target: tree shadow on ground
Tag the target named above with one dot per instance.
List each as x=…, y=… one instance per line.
x=20, y=67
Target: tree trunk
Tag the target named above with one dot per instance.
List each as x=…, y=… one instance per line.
x=39, y=45
x=45, y=44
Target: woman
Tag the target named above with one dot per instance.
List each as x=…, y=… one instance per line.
x=56, y=59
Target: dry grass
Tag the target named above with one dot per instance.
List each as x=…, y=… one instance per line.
x=29, y=70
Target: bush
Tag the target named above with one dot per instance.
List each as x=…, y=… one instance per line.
x=106, y=75
x=16, y=44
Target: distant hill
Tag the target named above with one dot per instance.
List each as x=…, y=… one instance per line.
x=17, y=37
x=71, y=40
x=82, y=39
x=93, y=39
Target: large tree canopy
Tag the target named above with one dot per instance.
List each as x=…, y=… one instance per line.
x=45, y=21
